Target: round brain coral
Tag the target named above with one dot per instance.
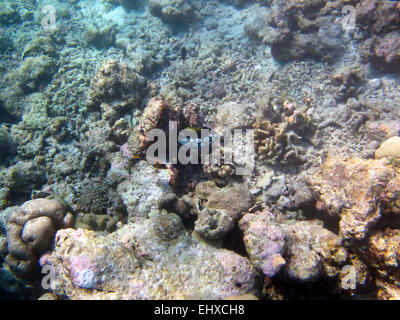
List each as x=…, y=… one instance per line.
x=30, y=232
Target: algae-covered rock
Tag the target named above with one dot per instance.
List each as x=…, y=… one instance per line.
x=115, y=82
x=97, y=222
x=359, y=191
x=6, y=43
x=33, y=72
x=218, y=209
x=175, y=11
x=103, y=37
x=23, y=177
x=40, y=46
x=9, y=13
x=383, y=257
x=5, y=143
x=151, y=259
x=35, y=113
x=132, y=4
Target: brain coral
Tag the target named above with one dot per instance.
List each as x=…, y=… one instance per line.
x=30, y=232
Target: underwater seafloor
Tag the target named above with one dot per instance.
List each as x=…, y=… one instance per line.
x=86, y=215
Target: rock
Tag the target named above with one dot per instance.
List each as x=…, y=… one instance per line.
x=218, y=209
x=151, y=259
x=40, y=46
x=6, y=43
x=383, y=257
x=142, y=190
x=115, y=82
x=304, y=250
x=248, y=296
x=9, y=13
x=265, y=243
x=103, y=37
x=156, y=115
x=358, y=191
x=35, y=71
x=96, y=222
x=132, y=4
x=23, y=177
x=265, y=181
x=389, y=148
x=173, y=11
x=232, y=115
x=5, y=144
x=313, y=250
x=386, y=52
x=298, y=30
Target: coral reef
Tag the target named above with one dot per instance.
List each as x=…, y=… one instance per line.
x=315, y=217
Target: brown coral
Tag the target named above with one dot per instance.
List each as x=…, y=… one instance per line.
x=30, y=232
x=278, y=141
